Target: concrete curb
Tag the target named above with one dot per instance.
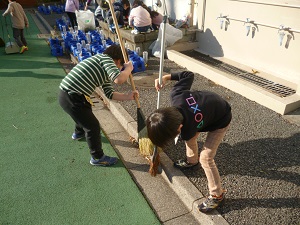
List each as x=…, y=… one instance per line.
x=179, y=183
x=43, y=22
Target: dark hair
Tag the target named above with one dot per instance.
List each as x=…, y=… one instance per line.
x=125, y=2
x=115, y=52
x=137, y=3
x=153, y=14
x=163, y=124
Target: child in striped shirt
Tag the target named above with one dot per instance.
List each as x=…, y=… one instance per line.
x=96, y=71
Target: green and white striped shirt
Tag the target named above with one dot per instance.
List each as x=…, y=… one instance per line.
x=96, y=71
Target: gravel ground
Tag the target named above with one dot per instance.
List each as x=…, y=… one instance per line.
x=259, y=159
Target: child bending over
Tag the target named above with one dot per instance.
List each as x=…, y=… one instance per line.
x=78, y=85
x=193, y=112
x=140, y=18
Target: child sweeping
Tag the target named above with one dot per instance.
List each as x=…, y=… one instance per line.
x=193, y=112
x=76, y=88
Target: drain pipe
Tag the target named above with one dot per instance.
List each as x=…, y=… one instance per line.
x=191, y=14
x=203, y=16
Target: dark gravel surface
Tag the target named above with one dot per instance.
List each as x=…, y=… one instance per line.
x=259, y=159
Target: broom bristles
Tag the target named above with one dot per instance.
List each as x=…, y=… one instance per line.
x=146, y=146
x=154, y=165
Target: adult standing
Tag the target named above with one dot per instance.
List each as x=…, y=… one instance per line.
x=19, y=22
x=70, y=8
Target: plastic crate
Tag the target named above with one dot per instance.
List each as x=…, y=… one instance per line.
x=56, y=50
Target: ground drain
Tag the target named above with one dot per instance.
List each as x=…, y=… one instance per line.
x=275, y=88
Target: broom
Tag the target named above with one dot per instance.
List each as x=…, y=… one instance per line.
x=155, y=159
x=140, y=116
x=145, y=145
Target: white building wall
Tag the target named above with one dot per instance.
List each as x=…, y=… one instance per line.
x=263, y=51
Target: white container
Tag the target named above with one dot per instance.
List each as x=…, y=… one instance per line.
x=88, y=37
x=63, y=47
x=88, y=47
x=145, y=56
x=138, y=50
x=79, y=49
x=104, y=44
x=83, y=43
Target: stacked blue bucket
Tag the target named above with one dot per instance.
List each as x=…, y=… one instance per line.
x=62, y=22
x=56, y=48
x=84, y=45
x=137, y=61
x=59, y=9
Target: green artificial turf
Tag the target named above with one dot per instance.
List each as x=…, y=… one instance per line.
x=45, y=176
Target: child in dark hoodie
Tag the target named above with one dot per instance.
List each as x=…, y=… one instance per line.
x=193, y=112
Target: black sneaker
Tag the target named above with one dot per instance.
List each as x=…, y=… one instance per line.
x=78, y=137
x=211, y=202
x=184, y=164
x=104, y=161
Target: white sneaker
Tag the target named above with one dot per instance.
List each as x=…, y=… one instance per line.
x=135, y=31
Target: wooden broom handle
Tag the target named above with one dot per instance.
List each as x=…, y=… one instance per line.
x=122, y=48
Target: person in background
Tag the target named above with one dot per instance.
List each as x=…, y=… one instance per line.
x=70, y=8
x=140, y=18
x=101, y=10
x=79, y=84
x=90, y=5
x=19, y=22
x=193, y=112
x=119, y=7
x=156, y=18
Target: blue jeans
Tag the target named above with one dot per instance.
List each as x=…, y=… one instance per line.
x=142, y=29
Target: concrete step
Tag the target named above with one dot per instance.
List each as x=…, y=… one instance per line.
x=281, y=105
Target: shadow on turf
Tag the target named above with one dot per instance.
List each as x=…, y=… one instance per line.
x=30, y=74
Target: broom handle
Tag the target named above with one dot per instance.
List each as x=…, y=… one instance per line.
x=123, y=49
x=161, y=66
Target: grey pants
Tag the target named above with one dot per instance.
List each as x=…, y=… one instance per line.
x=19, y=37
